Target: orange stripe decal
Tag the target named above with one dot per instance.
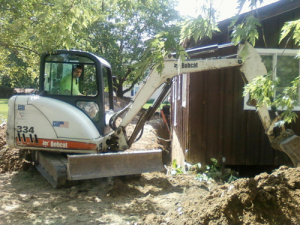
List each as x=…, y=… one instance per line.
x=49, y=143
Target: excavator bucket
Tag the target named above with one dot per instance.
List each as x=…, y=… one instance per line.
x=291, y=146
x=90, y=166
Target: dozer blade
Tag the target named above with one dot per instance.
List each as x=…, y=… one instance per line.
x=90, y=166
x=291, y=146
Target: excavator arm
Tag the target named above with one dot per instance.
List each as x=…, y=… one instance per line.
x=172, y=67
x=251, y=66
x=285, y=140
x=114, y=161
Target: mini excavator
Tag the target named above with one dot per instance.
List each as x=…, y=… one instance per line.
x=74, y=136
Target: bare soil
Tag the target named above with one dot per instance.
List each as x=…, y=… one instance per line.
x=154, y=198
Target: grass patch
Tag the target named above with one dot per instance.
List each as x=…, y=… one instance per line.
x=4, y=107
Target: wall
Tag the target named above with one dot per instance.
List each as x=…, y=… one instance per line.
x=214, y=123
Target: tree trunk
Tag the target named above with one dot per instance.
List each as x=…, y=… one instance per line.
x=118, y=87
x=119, y=91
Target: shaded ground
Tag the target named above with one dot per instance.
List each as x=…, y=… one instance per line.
x=154, y=198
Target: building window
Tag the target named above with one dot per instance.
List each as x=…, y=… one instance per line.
x=136, y=89
x=178, y=88
x=284, y=65
x=174, y=94
x=183, y=90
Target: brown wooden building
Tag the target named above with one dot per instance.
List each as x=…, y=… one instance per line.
x=209, y=116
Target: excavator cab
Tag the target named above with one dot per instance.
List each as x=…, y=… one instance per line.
x=78, y=78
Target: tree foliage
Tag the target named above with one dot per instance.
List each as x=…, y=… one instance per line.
x=117, y=30
x=291, y=27
x=262, y=89
x=158, y=49
x=204, y=25
x=247, y=30
x=123, y=35
x=133, y=35
x=31, y=27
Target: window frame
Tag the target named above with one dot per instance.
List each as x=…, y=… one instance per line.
x=174, y=101
x=275, y=53
x=184, y=89
x=65, y=64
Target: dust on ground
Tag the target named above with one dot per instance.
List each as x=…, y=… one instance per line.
x=154, y=198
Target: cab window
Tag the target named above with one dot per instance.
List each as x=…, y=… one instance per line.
x=70, y=75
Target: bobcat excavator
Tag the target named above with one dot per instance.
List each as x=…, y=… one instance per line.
x=74, y=135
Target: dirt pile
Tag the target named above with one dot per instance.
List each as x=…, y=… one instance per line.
x=266, y=199
x=154, y=198
x=12, y=159
x=2, y=135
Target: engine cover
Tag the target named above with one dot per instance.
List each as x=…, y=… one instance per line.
x=43, y=123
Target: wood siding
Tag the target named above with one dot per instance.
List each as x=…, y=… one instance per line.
x=214, y=123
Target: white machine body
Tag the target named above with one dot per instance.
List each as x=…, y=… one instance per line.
x=49, y=124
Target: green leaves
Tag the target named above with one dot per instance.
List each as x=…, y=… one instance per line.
x=203, y=26
x=158, y=48
x=287, y=101
x=246, y=31
x=293, y=28
x=176, y=169
x=217, y=172
x=198, y=28
x=131, y=37
x=31, y=27
x=262, y=89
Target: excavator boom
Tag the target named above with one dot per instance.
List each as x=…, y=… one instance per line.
x=286, y=141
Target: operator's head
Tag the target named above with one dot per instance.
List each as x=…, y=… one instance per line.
x=77, y=71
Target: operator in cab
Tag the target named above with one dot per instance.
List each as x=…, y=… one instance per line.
x=71, y=81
